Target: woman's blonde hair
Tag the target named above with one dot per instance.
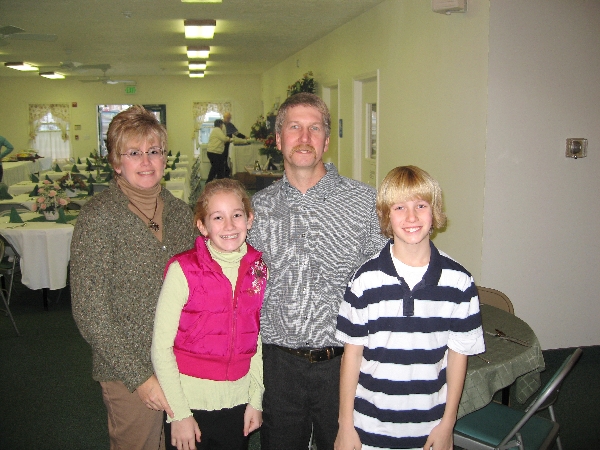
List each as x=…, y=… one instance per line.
x=408, y=183
x=216, y=186
x=135, y=123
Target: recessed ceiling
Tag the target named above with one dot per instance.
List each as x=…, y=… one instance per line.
x=146, y=37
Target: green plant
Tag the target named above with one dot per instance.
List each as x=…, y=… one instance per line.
x=304, y=84
x=51, y=197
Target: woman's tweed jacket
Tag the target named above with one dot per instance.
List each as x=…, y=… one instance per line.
x=116, y=274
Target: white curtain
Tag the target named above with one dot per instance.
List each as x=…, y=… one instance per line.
x=51, y=145
x=199, y=111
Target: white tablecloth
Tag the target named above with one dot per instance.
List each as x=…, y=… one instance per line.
x=45, y=250
x=19, y=171
x=245, y=155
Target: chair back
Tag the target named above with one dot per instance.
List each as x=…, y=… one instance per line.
x=493, y=297
x=549, y=391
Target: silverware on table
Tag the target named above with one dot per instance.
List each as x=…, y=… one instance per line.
x=502, y=335
x=487, y=361
x=18, y=226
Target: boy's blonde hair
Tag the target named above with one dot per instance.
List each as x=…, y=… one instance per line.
x=216, y=186
x=408, y=183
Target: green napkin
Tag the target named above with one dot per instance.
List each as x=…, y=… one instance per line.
x=34, y=179
x=167, y=176
x=176, y=160
x=173, y=166
x=49, y=179
x=4, y=195
x=61, y=216
x=75, y=169
x=14, y=216
x=108, y=177
x=34, y=192
x=169, y=154
x=91, y=179
x=57, y=168
x=178, y=154
x=106, y=168
x=90, y=189
x=78, y=160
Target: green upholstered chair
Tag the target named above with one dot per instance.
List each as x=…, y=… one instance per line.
x=500, y=427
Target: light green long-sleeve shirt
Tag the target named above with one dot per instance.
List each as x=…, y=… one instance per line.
x=184, y=392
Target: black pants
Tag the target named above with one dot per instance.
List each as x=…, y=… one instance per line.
x=300, y=397
x=220, y=430
x=1, y=172
x=218, y=166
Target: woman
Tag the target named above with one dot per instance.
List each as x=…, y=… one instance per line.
x=122, y=241
x=216, y=151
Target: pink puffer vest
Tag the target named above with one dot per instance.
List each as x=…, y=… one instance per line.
x=218, y=334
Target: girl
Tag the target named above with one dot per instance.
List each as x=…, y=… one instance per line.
x=206, y=350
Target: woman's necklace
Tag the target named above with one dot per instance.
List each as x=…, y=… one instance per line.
x=152, y=224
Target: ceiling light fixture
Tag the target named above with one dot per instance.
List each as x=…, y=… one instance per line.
x=196, y=73
x=52, y=75
x=23, y=66
x=198, y=51
x=197, y=64
x=199, y=28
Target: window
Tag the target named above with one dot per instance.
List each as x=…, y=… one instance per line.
x=208, y=125
x=49, y=130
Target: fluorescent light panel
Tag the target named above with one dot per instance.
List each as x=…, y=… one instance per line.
x=22, y=66
x=196, y=73
x=199, y=28
x=197, y=64
x=52, y=75
x=198, y=51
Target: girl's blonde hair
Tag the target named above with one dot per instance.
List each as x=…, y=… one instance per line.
x=216, y=186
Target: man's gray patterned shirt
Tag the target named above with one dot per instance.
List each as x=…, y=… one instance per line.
x=312, y=244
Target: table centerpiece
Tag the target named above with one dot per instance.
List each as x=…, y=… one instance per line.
x=50, y=199
x=73, y=184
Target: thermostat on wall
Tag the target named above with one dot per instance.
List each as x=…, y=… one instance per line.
x=448, y=6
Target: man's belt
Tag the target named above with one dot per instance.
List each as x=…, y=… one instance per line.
x=314, y=354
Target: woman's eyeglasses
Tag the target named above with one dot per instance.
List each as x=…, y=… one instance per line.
x=153, y=153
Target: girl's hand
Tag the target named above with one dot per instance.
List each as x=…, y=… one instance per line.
x=185, y=433
x=252, y=420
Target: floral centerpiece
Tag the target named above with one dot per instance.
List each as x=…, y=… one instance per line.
x=261, y=132
x=51, y=198
x=304, y=84
x=71, y=183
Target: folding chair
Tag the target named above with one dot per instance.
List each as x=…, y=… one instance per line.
x=4, y=299
x=500, y=427
x=495, y=298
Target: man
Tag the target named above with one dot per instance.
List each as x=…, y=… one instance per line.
x=8, y=148
x=230, y=131
x=314, y=228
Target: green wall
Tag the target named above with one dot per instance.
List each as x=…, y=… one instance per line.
x=433, y=71
x=178, y=93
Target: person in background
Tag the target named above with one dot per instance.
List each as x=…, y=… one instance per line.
x=206, y=349
x=3, y=153
x=216, y=151
x=230, y=131
x=315, y=228
x=122, y=241
x=409, y=319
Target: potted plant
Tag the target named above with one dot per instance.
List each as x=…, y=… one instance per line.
x=51, y=198
x=304, y=84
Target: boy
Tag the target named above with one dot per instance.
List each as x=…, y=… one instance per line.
x=409, y=318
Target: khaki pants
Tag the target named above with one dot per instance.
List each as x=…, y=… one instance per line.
x=131, y=424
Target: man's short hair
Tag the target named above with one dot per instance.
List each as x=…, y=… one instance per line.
x=303, y=99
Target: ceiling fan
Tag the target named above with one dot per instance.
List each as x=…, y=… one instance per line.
x=78, y=67
x=9, y=33
x=107, y=80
